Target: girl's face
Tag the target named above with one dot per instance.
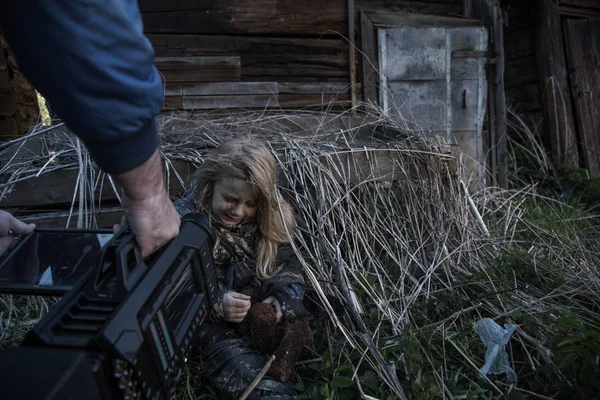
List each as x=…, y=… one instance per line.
x=233, y=201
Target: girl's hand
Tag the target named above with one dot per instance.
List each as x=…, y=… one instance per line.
x=235, y=306
x=273, y=300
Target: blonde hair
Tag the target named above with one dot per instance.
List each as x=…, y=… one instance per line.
x=253, y=162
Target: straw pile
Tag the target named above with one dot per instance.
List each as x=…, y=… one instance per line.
x=403, y=258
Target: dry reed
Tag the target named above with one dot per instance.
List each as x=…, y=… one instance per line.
x=386, y=225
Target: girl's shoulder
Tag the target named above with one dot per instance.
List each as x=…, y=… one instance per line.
x=188, y=203
x=184, y=206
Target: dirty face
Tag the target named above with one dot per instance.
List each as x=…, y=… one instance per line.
x=233, y=201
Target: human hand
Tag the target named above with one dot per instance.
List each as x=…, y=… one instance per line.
x=154, y=221
x=235, y=306
x=148, y=208
x=10, y=226
x=273, y=301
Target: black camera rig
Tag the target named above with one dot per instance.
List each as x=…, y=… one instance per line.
x=125, y=329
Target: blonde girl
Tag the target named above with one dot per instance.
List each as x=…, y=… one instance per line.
x=236, y=187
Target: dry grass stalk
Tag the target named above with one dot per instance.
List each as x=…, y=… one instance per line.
x=381, y=242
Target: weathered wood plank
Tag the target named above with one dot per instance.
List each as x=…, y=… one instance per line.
x=584, y=58
x=273, y=17
x=497, y=37
x=236, y=101
x=421, y=7
x=291, y=72
x=551, y=70
x=317, y=87
x=253, y=6
x=312, y=100
x=105, y=219
x=197, y=62
x=201, y=75
x=352, y=52
x=369, y=59
x=199, y=69
x=173, y=102
x=57, y=187
x=224, y=88
x=404, y=18
x=264, y=56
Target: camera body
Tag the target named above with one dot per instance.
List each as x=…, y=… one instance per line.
x=125, y=330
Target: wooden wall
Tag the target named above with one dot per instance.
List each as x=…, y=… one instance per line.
x=295, y=53
x=250, y=53
x=234, y=54
x=567, y=49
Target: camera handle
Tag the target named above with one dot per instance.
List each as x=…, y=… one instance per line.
x=121, y=265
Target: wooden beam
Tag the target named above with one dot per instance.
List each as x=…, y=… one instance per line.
x=272, y=17
x=500, y=101
x=197, y=62
x=224, y=88
x=421, y=7
x=397, y=19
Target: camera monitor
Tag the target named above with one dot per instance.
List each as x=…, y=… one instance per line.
x=50, y=261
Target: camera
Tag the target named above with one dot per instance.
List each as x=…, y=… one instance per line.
x=125, y=329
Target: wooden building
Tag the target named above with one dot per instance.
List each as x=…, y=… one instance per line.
x=552, y=80
x=539, y=57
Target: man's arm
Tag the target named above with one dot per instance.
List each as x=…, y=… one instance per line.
x=93, y=64
x=148, y=208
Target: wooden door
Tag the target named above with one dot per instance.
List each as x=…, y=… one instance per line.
x=583, y=59
x=434, y=79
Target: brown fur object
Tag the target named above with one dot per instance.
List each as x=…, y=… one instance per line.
x=287, y=340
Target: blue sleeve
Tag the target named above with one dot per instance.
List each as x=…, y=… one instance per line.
x=92, y=62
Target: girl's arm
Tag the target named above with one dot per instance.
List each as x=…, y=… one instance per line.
x=288, y=284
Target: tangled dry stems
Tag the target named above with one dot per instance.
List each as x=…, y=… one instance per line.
x=387, y=222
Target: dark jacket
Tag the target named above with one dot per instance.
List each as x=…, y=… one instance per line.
x=233, y=258
x=92, y=62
